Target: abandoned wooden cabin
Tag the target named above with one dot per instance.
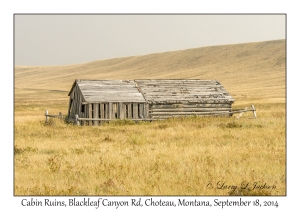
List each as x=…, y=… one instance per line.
x=94, y=101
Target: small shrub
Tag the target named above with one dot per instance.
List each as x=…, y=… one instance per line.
x=137, y=140
x=78, y=151
x=162, y=126
x=108, y=187
x=20, y=150
x=54, y=163
x=107, y=138
x=230, y=125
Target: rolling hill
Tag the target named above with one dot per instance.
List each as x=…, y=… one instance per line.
x=248, y=70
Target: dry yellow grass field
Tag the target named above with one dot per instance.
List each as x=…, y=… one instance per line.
x=191, y=156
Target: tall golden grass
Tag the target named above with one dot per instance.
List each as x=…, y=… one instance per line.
x=172, y=157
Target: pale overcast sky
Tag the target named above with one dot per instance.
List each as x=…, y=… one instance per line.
x=73, y=39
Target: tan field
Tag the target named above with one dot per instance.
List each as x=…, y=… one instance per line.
x=191, y=156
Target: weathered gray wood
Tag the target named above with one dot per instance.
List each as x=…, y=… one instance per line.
x=80, y=114
x=141, y=111
x=76, y=120
x=108, y=120
x=185, y=93
x=254, y=111
x=129, y=111
x=146, y=111
x=110, y=91
x=121, y=110
x=190, y=110
x=186, y=97
x=110, y=110
x=46, y=114
x=135, y=110
x=106, y=111
x=239, y=116
x=70, y=105
x=164, y=96
x=102, y=111
x=205, y=101
x=185, y=113
x=114, y=110
x=202, y=113
x=96, y=113
x=90, y=113
x=188, y=105
x=85, y=111
x=181, y=90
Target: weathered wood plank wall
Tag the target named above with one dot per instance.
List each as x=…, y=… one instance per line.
x=146, y=99
x=171, y=98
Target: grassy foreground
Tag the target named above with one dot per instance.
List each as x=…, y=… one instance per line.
x=191, y=156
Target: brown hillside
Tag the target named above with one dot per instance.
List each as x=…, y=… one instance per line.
x=251, y=70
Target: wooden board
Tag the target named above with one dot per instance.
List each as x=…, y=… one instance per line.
x=135, y=110
x=102, y=111
x=121, y=110
x=90, y=113
x=129, y=107
x=141, y=110
x=190, y=110
x=96, y=112
x=146, y=111
x=110, y=111
x=190, y=105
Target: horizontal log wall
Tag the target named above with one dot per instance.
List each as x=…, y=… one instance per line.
x=162, y=111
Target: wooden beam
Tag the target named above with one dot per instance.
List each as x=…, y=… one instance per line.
x=190, y=110
x=96, y=113
x=254, y=111
x=107, y=120
x=113, y=111
x=90, y=113
x=86, y=110
x=106, y=110
x=46, y=114
x=187, y=113
x=190, y=105
x=110, y=110
x=102, y=111
x=135, y=111
x=146, y=111
x=76, y=120
x=129, y=111
x=121, y=110
x=239, y=116
x=141, y=111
